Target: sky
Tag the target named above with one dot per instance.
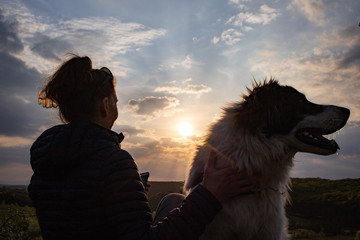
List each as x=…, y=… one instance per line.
x=177, y=63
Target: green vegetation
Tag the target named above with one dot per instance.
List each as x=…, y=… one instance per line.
x=18, y=222
x=320, y=209
x=158, y=190
x=321, y=205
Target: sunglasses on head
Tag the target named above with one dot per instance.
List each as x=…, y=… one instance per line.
x=108, y=77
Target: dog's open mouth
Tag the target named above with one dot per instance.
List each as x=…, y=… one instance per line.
x=314, y=137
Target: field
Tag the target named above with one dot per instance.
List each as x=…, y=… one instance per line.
x=320, y=210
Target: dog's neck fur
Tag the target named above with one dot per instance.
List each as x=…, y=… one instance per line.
x=271, y=164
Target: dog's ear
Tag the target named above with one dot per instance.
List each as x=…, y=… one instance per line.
x=251, y=117
x=260, y=111
x=273, y=121
x=264, y=118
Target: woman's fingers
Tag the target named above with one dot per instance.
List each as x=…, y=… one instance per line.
x=211, y=163
x=226, y=182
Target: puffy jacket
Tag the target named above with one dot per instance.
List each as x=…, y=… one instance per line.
x=85, y=186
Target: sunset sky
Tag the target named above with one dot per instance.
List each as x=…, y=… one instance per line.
x=177, y=63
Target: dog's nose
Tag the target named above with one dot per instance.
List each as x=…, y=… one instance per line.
x=346, y=112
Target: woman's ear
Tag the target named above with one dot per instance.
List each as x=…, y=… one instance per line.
x=104, y=107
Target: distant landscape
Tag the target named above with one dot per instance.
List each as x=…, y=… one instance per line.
x=320, y=209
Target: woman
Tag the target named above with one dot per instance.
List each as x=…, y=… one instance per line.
x=85, y=186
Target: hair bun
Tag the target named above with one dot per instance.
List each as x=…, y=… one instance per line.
x=81, y=68
x=74, y=88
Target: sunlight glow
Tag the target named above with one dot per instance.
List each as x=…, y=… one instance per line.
x=185, y=129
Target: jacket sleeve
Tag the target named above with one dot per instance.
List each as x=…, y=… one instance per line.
x=188, y=221
x=127, y=213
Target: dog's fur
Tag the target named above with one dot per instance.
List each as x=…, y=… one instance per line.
x=261, y=134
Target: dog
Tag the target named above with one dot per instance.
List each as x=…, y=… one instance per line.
x=261, y=134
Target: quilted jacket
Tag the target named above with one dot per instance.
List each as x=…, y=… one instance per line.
x=85, y=186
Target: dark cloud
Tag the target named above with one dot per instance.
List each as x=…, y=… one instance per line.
x=20, y=113
x=14, y=155
x=15, y=74
x=20, y=117
x=351, y=57
x=50, y=48
x=151, y=105
x=9, y=40
x=350, y=32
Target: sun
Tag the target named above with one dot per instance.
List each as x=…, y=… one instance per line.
x=185, y=129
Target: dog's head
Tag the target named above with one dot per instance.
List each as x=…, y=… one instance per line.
x=282, y=112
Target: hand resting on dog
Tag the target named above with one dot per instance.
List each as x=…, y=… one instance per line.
x=226, y=183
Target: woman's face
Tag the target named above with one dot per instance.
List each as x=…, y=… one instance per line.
x=113, y=109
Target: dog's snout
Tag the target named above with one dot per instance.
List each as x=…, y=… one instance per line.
x=342, y=115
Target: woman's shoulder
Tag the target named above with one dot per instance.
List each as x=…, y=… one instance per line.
x=116, y=156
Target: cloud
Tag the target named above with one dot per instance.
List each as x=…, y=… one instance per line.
x=313, y=10
x=186, y=63
x=231, y=36
x=28, y=23
x=187, y=80
x=241, y=21
x=152, y=106
x=9, y=39
x=342, y=41
x=20, y=113
x=21, y=117
x=317, y=75
x=15, y=173
x=50, y=48
x=16, y=75
x=107, y=33
x=215, y=40
x=351, y=57
x=328, y=73
x=196, y=39
x=265, y=16
x=130, y=130
x=93, y=36
x=239, y=3
x=7, y=141
x=188, y=89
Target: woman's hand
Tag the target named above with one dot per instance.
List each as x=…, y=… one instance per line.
x=226, y=183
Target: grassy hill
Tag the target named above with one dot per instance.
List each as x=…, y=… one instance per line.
x=160, y=189
x=330, y=206
x=319, y=209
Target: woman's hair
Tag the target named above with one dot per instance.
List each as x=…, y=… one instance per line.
x=76, y=89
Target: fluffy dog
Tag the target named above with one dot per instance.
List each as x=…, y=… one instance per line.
x=261, y=134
